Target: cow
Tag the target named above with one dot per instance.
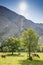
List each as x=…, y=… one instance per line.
x=36, y=55
x=3, y=56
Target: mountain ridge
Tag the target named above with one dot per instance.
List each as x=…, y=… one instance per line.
x=12, y=24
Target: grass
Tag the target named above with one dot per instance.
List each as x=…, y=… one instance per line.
x=20, y=60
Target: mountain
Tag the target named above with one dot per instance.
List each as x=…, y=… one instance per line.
x=12, y=24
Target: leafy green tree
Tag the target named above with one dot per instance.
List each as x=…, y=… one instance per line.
x=1, y=46
x=5, y=49
x=21, y=44
x=13, y=44
x=39, y=47
x=30, y=40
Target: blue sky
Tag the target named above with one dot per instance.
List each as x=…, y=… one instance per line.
x=34, y=10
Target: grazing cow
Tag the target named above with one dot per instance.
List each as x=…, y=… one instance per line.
x=36, y=55
x=3, y=56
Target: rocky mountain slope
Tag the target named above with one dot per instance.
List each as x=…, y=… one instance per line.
x=12, y=24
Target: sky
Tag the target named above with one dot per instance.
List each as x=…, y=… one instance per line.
x=30, y=9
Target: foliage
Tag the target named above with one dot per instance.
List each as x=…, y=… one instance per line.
x=30, y=40
x=1, y=46
x=30, y=58
x=5, y=49
x=13, y=44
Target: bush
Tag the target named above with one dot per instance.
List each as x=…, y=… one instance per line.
x=30, y=58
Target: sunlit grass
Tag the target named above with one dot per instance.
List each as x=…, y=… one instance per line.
x=20, y=60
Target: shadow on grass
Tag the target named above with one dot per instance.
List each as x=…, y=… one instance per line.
x=33, y=62
x=15, y=55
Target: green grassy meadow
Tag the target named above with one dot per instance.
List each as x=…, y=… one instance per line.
x=20, y=60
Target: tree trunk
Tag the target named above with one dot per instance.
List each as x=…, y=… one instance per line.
x=29, y=51
x=12, y=52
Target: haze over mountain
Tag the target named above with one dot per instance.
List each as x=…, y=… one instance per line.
x=12, y=24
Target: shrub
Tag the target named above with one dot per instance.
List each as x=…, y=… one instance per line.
x=30, y=58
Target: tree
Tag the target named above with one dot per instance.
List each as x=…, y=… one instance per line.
x=13, y=44
x=5, y=49
x=30, y=39
x=1, y=46
x=39, y=47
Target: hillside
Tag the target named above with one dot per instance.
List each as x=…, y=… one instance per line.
x=12, y=24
